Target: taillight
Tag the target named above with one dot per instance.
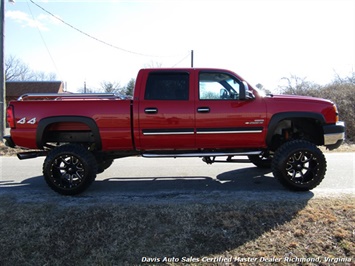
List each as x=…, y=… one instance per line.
x=10, y=116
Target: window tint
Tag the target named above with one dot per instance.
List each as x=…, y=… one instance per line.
x=218, y=86
x=167, y=86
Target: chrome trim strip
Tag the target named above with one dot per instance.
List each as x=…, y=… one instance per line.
x=200, y=131
x=167, y=133
x=229, y=132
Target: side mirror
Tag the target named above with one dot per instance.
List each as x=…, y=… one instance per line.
x=245, y=93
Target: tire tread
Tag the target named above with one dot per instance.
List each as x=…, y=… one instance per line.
x=280, y=158
x=86, y=157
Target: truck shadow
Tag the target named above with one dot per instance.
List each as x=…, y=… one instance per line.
x=246, y=179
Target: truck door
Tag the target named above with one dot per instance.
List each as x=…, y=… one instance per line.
x=223, y=120
x=166, y=113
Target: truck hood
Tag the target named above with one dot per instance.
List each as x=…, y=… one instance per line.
x=297, y=98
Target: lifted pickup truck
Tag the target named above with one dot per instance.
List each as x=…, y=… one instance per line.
x=175, y=113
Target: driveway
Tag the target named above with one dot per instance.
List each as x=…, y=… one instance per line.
x=190, y=179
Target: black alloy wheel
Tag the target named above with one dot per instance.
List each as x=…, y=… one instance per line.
x=299, y=165
x=69, y=169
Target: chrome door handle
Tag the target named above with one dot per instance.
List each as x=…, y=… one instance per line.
x=151, y=110
x=203, y=110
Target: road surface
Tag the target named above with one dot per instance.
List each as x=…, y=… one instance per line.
x=183, y=179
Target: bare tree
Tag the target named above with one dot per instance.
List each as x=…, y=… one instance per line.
x=153, y=64
x=17, y=70
x=43, y=76
x=111, y=87
x=350, y=79
x=297, y=85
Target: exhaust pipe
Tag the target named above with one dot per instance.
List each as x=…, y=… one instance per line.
x=31, y=154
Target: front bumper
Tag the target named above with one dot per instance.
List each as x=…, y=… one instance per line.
x=334, y=135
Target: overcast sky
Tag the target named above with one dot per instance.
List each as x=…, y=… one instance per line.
x=262, y=40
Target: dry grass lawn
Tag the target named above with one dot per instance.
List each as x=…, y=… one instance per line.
x=170, y=233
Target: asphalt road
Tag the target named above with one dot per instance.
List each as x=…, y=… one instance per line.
x=189, y=179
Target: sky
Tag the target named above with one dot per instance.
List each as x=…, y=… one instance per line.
x=261, y=40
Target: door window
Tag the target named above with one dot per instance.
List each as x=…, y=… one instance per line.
x=218, y=86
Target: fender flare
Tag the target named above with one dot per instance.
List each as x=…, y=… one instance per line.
x=276, y=118
x=45, y=122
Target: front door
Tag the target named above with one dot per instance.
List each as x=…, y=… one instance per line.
x=166, y=115
x=222, y=119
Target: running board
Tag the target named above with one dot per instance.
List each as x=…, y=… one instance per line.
x=199, y=154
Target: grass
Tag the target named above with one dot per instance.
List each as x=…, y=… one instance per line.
x=139, y=233
x=6, y=151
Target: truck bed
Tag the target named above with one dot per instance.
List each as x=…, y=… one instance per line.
x=113, y=121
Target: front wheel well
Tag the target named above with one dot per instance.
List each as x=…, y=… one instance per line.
x=294, y=128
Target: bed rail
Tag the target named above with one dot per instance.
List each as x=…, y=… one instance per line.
x=66, y=95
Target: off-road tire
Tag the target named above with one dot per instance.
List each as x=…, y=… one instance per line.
x=299, y=165
x=69, y=169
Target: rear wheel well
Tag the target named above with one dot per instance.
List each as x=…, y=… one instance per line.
x=60, y=137
x=56, y=131
x=309, y=129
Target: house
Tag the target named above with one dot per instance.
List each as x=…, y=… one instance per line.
x=14, y=89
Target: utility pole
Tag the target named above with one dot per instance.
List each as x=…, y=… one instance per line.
x=192, y=58
x=2, y=71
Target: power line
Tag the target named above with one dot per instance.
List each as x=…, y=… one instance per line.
x=44, y=42
x=181, y=60
x=93, y=37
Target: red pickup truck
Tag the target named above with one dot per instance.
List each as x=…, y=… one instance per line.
x=175, y=113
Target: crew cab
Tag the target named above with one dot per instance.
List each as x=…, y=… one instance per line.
x=192, y=112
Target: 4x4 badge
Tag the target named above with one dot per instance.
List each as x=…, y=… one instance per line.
x=23, y=121
x=32, y=121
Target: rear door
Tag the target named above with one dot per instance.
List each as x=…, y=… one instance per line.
x=166, y=111
x=222, y=119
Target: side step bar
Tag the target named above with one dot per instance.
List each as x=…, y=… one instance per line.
x=199, y=154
